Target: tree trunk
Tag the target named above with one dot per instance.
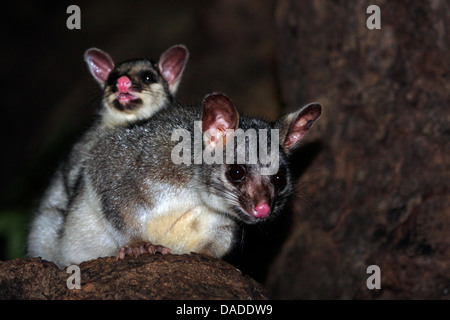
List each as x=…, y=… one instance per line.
x=379, y=185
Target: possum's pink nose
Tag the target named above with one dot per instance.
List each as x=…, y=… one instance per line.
x=123, y=84
x=261, y=211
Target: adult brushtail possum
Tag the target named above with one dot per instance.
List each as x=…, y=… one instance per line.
x=152, y=187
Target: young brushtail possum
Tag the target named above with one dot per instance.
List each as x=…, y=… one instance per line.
x=132, y=198
x=134, y=90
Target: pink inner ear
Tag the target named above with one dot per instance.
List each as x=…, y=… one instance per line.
x=172, y=62
x=302, y=124
x=218, y=113
x=293, y=138
x=100, y=64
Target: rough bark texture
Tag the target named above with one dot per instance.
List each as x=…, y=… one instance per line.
x=380, y=181
x=146, y=277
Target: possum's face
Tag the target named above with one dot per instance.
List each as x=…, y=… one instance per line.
x=260, y=196
x=243, y=192
x=136, y=89
x=252, y=182
x=257, y=196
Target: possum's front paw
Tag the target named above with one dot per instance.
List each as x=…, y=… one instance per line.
x=138, y=248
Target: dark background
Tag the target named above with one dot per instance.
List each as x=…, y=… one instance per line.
x=372, y=175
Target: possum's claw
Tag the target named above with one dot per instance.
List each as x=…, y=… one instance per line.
x=138, y=248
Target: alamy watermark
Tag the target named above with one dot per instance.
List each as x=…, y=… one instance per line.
x=374, y=280
x=252, y=148
x=74, y=20
x=74, y=281
x=374, y=20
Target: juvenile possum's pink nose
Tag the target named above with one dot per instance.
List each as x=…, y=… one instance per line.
x=123, y=84
x=262, y=210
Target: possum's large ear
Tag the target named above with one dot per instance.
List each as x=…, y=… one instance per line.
x=218, y=117
x=294, y=126
x=99, y=63
x=171, y=65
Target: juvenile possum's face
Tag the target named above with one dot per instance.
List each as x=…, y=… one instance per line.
x=135, y=87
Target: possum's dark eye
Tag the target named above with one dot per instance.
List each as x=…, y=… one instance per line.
x=148, y=77
x=279, y=180
x=237, y=173
x=112, y=79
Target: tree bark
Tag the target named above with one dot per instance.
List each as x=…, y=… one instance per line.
x=379, y=185
x=180, y=277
